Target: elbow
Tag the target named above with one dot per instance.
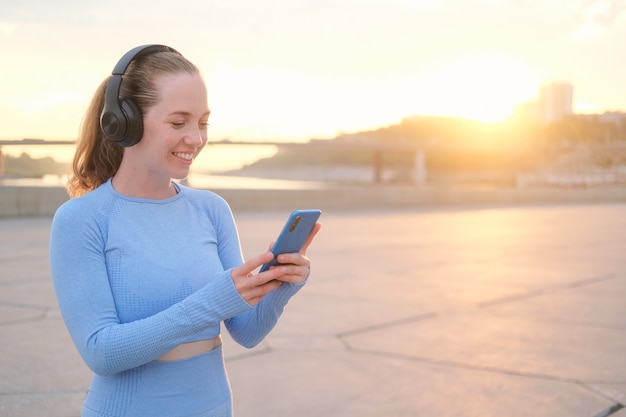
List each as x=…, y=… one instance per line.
x=98, y=363
x=250, y=344
x=102, y=371
x=247, y=342
x=98, y=355
x=99, y=367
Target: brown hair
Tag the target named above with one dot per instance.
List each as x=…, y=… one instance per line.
x=97, y=158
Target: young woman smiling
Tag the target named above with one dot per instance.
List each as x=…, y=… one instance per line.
x=146, y=270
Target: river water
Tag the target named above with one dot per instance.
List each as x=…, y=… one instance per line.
x=209, y=171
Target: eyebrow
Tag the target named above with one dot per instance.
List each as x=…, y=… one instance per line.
x=186, y=113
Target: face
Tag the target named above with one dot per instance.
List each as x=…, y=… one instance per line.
x=175, y=129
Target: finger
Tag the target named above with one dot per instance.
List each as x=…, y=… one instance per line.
x=292, y=273
x=309, y=239
x=255, y=295
x=246, y=268
x=297, y=259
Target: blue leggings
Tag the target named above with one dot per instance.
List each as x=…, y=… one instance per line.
x=193, y=387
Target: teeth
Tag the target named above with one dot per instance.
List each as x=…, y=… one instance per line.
x=185, y=156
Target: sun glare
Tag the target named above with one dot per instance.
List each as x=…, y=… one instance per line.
x=481, y=87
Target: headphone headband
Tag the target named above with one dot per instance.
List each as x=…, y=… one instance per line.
x=136, y=52
x=121, y=120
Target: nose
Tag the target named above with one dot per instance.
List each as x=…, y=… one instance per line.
x=196, y=137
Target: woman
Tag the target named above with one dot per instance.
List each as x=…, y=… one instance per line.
x=145, y=270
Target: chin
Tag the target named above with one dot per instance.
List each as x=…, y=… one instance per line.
x=180, y=175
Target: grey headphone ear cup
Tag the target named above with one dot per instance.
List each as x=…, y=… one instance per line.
x=134, y=123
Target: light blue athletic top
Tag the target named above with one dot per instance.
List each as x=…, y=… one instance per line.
x=135, y=278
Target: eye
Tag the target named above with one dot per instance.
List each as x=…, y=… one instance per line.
x=204, y=125
x=178, y=125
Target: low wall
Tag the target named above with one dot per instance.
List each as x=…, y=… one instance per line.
x=397, y=196
x=30, y=201
x=43, y=201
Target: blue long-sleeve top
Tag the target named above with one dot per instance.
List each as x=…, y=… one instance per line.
x=134, y=278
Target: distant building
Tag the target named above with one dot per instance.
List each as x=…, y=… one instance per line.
x=618, y=118
x=614, y=123
x=555, y=102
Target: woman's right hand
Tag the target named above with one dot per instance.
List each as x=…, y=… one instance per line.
x=253, y=287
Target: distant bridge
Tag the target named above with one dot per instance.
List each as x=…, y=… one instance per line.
x=612, y=153
x=30, y=142
x=418, y=174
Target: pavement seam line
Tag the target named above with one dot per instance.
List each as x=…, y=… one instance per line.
x=611, y=410
x=480, y=368
x=589, y=386
x=548, y=290
x=385, y=325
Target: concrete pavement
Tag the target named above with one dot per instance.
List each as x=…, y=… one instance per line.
x=452, y=312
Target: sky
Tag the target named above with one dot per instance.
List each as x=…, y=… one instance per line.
x=296, y=69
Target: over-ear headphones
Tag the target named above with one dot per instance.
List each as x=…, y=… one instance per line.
x=121, y=120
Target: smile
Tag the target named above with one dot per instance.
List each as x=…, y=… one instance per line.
x=185, y=156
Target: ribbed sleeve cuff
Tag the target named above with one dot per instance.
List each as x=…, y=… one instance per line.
x=215, y=302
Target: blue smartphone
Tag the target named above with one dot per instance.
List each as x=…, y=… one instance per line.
x=295, y=232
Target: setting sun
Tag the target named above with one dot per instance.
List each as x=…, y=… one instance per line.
x=296, y=71
x=480, y=87
x=484, y=87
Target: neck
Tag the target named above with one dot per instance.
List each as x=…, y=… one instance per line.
x=136, y=188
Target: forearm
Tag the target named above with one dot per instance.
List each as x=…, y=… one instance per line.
x=109, y=347
x=250, y=328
